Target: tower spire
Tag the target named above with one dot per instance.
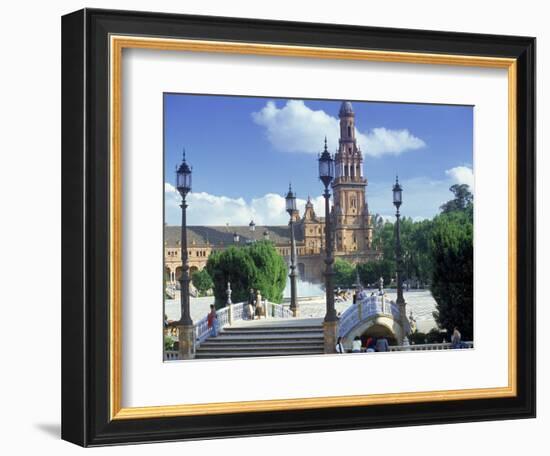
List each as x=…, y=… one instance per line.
x=346, y=109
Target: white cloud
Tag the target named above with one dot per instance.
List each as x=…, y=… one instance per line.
x=381, y=141
x=297, y=128
x=207, y=209
x=422, y=196
x=462, y=175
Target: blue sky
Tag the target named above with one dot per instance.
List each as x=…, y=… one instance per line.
x=244, y=151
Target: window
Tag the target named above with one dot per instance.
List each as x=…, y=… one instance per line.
x=349, y=131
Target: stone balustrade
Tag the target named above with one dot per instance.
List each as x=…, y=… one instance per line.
x=429, y=347
x=365, y=309
x=235, y=312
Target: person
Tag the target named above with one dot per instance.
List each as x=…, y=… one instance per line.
x=212, y=320
x=251, y=304
x=259, y=310
x=456, y=339
x=340, y=346
x=412, y=322
x=356, y=345
x=355, y=298
x=371, y=343
x=382, y=345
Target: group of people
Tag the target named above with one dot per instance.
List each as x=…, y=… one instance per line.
x=371, y=345
x=256, y=307
x=341, y=295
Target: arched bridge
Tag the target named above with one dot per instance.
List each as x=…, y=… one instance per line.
x=376, y=315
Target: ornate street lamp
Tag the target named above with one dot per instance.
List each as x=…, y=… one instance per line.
x=291, y=209
x=397, y=201
x=186, y=328
x=330, y=324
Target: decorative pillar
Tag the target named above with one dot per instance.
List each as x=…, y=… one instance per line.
x=186, y=327
x=397, y=201
x=229, y=304
x=331, y=321
x=292, y=275
x=290, y=201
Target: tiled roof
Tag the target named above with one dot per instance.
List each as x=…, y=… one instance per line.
x=218, y=235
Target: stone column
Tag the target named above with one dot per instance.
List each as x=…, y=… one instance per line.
x=330, y=335
x=186, y=341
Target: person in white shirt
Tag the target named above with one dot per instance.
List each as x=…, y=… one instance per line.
x=356, y=345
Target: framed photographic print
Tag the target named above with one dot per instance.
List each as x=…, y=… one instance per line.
x=278, y=227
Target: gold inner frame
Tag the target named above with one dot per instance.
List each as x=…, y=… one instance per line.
x=117, y=44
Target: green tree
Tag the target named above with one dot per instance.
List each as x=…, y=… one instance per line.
x=453, y=271
x=271, y=271
x=463, y=199
x=383, y=240
x=257, y=266
x=344, y=273
x=415, y=245
x=377, y=223
x=416, y=254
x=370, y=272
x=202, y=281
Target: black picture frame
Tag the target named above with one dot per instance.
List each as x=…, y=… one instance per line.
x=85, y=228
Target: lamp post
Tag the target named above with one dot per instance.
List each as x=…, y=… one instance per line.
x=330, y=323
x=291, y=209
x=397, y=201
x=186, y=327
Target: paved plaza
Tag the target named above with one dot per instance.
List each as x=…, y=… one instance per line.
x=420, y=302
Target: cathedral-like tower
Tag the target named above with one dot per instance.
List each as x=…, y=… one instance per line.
x=353, y=232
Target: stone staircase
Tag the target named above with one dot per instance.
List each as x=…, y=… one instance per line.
x=271, y=337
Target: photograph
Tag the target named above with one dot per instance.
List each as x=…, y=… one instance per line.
x=278, y=227
x=302, y=227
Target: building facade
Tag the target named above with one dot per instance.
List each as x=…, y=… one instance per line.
x=350, y=221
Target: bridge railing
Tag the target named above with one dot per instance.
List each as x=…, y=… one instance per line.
x=171, y=355
x=429, y=347
x=278, y=311
x=364, y=309
x=236, y=312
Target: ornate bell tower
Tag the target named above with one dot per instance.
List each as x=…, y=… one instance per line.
x=353, y=230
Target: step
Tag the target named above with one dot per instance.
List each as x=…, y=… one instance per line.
x=273, y=328
x=250, y=354
x=261, y=347
x=266, y=337
x=264, y=343
x=270, y=331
